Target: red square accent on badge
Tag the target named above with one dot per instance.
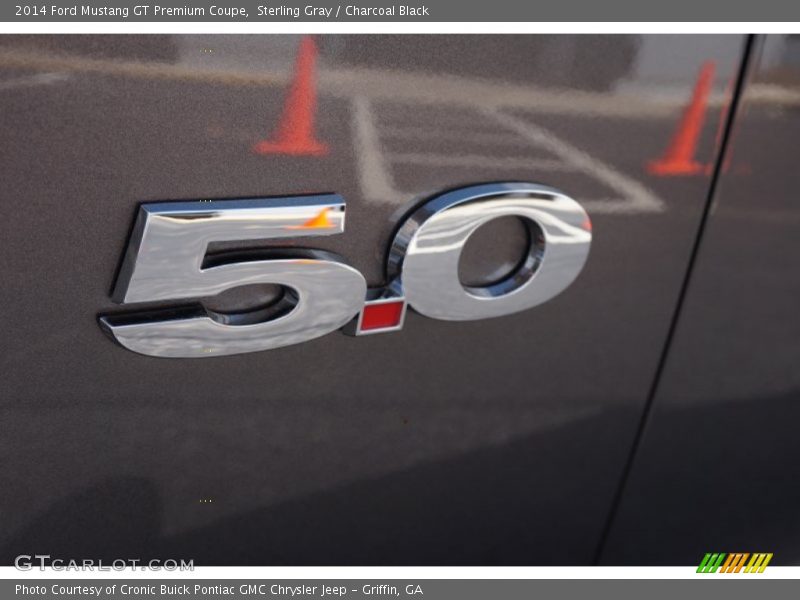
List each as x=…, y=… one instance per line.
x=382, y=315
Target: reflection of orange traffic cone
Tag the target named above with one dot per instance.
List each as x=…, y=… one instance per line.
x=679, y=157
x=295, y=133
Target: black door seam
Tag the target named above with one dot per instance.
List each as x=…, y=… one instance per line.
x=741, y=80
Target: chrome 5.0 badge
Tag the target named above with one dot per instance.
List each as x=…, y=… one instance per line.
x=167, y=259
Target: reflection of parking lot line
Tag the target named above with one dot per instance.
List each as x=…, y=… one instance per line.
x=32, y=80
x=377, y=182
x=374, y=176
x=474, y=160
x=443, y=135
x=635, y=197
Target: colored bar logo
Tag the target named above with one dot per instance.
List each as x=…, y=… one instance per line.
x=734, y=562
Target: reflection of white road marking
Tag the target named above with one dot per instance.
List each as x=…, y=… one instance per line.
x=635, y=197
x=31, y=80
x=448, y=135
x=473, y=160
x=377, y=182
x=374, y=175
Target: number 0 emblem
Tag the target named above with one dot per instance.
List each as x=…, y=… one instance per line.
x=168, y=260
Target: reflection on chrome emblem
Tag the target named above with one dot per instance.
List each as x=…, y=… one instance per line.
x=168, y=260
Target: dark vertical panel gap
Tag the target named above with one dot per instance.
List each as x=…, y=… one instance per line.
x=744, y=69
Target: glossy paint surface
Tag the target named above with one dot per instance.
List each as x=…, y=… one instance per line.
x=488, y=442
x=716, y=470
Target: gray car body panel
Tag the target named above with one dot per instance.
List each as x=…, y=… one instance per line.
x=715, y=469
x=488, y=442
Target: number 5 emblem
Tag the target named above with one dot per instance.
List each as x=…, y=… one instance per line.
x=167, y=259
